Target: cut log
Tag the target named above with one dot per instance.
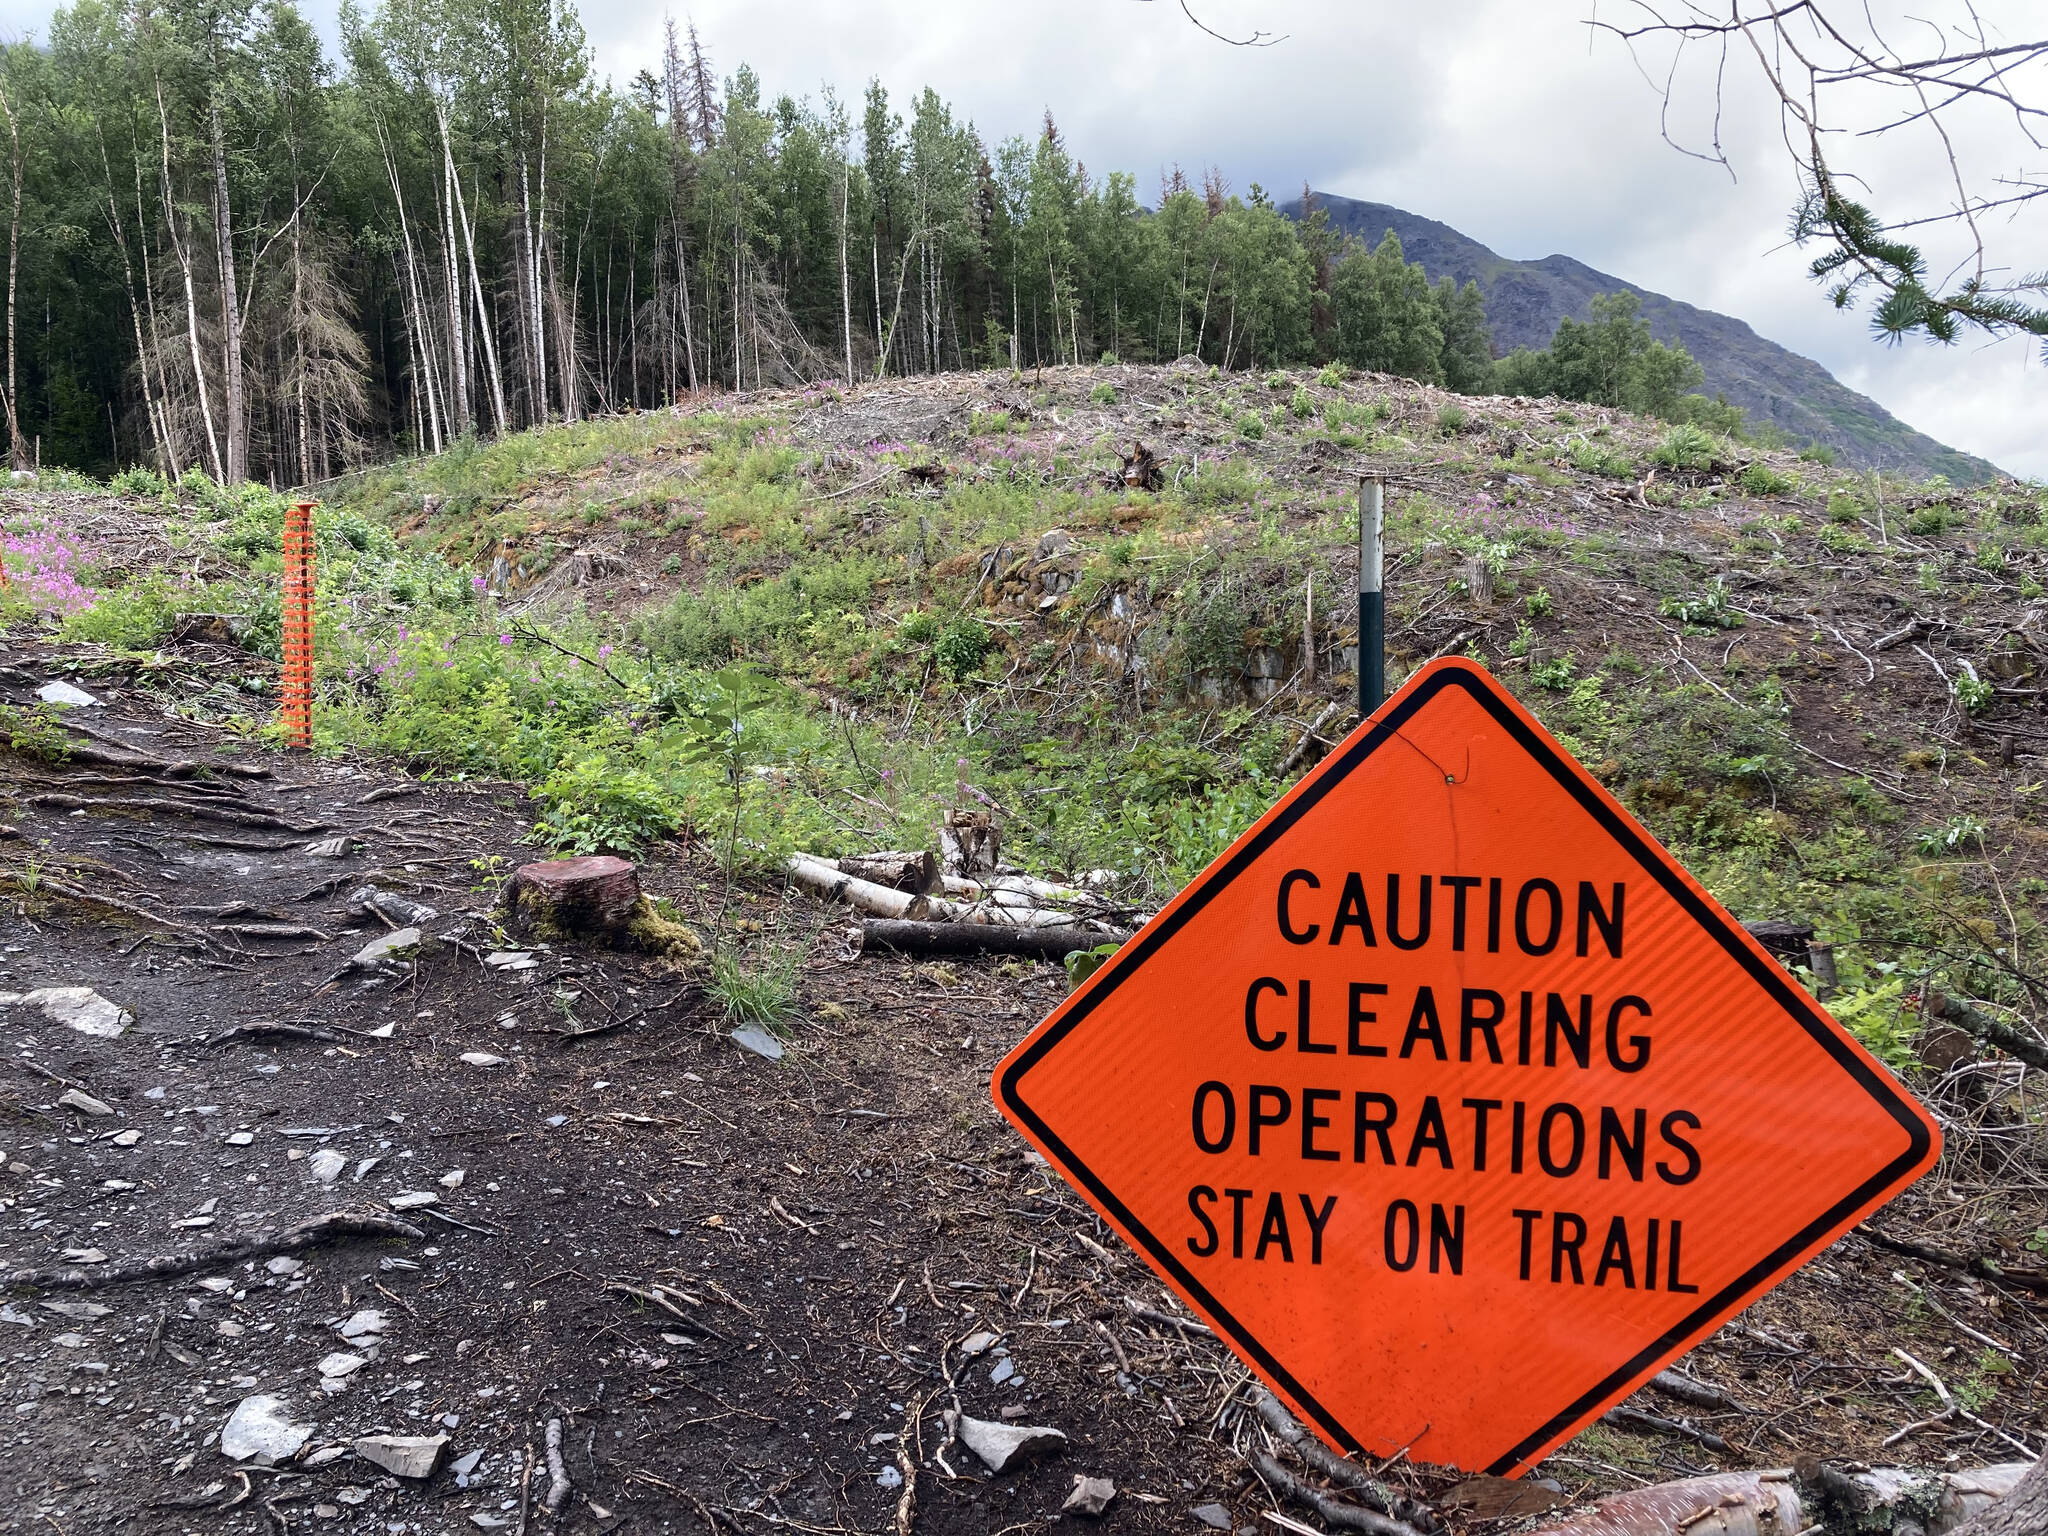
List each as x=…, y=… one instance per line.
x=1789, y=942
x=915, y=938
x=596, y=894
x=917, y=873
x=970, y=843
x=1872, y=1499
x=862, y=895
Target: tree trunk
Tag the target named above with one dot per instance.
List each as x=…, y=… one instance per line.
x=237, y=463
x=845, y=282
x=2023, y=1512
x=191, y=296
x=483, y=318
x=16, y=458
x=134, y=309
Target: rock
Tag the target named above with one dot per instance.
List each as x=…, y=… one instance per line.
x=511, y=960
x=453, y=1178
x=83, y=1310
x=84, y=1256
x=1003, y=1445
x=261, y=1429
x=1003, y=1371
x=283, y=1266
x=889, y=1477
x=483, y=1059
x=412, y=1199
x=336, y=1369
x=1090, y=1497
x=64, y=694
x=240, y=1139
x=126, y=1138
x=396, y=945
x=413, y=1456
x=1215, y=1516
x=330, y=848
x=82, y=1009
x=977, y=1344
x=325, y=1165
x=84, y=1103
x=752, y=1037
x=463, y=1465
x=365, y=1327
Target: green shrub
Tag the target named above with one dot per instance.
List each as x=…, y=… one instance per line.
x=1103, y=394
x=1928, y=521
x=1975, y=694
x=1592, y=459
x=1818, y=453
x=1250, y=427
x=1452, y=419
x=1759, y=479
x=1110, y=360
x=1333, y=376
x=1539, y=604
x=1706, y=609
x=1844, y=505
x=1302, y=405
x=1557, y=675
x=139, y=481
x=1276, y=381
x=137, y=617
x=1686, y=447
x=596, y=807
x=962, y=647
x=919, y=627
x=989, y=423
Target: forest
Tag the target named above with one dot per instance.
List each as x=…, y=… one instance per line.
x=232, y=253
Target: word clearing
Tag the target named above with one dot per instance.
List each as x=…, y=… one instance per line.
x=1452, y=1101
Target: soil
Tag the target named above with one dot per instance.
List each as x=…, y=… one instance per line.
x=830, y=1227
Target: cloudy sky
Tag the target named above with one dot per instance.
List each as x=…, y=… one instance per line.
x=1509, y=119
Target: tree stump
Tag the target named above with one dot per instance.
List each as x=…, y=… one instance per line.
x=596, y=895
x=970, y=843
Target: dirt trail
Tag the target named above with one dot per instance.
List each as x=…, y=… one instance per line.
x=848, y=1240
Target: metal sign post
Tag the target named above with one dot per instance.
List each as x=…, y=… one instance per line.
x=1372, y=610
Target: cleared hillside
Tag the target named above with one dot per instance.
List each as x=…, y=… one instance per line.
x=1526, y=299
x=820, y=620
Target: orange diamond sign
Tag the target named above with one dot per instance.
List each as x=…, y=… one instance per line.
x=1451, y=1101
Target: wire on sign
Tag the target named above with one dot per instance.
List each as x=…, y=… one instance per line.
x=297, y=711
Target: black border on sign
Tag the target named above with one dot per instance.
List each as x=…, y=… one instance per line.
x=1661, y=868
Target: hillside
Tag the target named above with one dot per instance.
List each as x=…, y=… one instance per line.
x=1526, y=299
x=745, y=1225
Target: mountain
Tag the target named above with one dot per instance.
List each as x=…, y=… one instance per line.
x=1526, y=299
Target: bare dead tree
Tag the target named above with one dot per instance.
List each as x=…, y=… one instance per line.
x=1846, y=77
x=1255, y=40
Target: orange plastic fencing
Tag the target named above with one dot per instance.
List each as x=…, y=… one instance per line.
x=297, y=710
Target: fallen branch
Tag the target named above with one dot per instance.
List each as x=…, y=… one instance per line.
x=333, y=1227
x=2016, y=1043
x=1678, y=1385
x=1634, y=1419
x=558, y=1472
x=1980, y=1264
x=1311, y=737
x=1335, y=1512
x=201, y=810
x=917, y=938
x=1404, y=1513
x=861, y=895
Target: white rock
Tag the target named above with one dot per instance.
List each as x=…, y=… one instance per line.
x=261, y=1428
x=412, y=1199
x=330, y=848
x=71, y=1340
x=65, y=694
x=241, y=1139
x=339, y=1364
x=1004, y=1445
x=84, y=1256
x=126, y=1138
x=453, y=1178
x=324, y=1455
x=483, y=1059
x=753, y=1038
x=84, y=1103
x=82, y=1009
x=977, y=1344
x=365, y=1327
x=86, y=1310
x=403, y=1455
x=283, y=1266
x=325, y=1165
x=391, y=946
x=1091, y=1495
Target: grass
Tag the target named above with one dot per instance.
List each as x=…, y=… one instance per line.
x=1114, y=728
